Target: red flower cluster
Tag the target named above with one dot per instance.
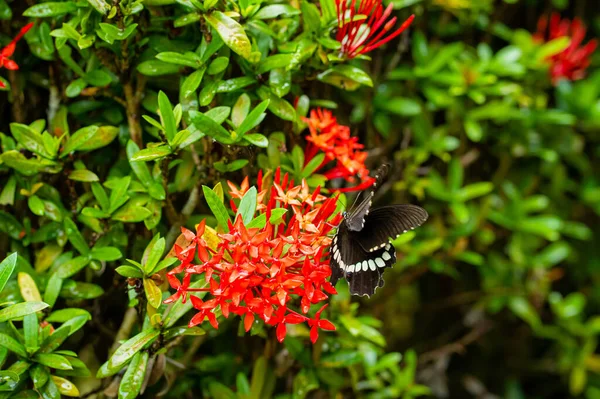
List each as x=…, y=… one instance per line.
x=258, y=272
x=334, y=140
x=572, y=62
x=362, y=30
x=9, y=50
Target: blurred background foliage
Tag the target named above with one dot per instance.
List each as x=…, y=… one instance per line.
x=497, y=295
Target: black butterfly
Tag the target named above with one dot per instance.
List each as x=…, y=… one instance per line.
x=361, y=249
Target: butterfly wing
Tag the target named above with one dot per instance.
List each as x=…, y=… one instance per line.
x=387, y=223
x=356, y=217
x=362, y=269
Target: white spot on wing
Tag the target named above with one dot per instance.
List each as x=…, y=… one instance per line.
x=372, y=265
x=380, y=262
x=386, y=256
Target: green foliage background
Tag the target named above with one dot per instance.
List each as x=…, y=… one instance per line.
x=497, y=295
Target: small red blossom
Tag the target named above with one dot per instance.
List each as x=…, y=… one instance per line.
x=572, y=62
x=363, y=29
x=326, y=135
x=9, y=50
x=265, y=270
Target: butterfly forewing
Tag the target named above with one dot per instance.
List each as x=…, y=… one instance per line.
x=356, y=217
x=388, y=222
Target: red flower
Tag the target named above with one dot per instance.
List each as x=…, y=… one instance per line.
x=9, y=50
x=334, y=140
x=318, y=323
x=362, y=30
x=260, y=271
x=572, y=62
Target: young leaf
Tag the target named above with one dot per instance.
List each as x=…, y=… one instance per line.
x=166, y=115
x=78, y=138
x=216, y=206
x=53, y=360
x=248, y=206
x=155, y=251
x=6, y=268
x=254, y=118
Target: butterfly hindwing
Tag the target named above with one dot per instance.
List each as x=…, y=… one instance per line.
x=362, y=269
x=367, y=275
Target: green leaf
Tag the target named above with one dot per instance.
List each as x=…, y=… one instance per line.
x=72, y=266
x=30, y=332
x=167, y=116
x=127, y=350
x=65, y=387
x=192, y=82
x=153, y=293
x=131, y=213
x=28, y=167
x=240, y=110
x=342, y=358
x=312, y=165
x=6, y=268
x=229, y=85
x=75, y=237
x=78, y=138
x=83, y=175
x=53, y=360
x=209, y=127
x=277, y=106
x=36, y=205
x=103, y=137
x=248, y=206
x=157, y=68
x=118, y=195
x=400, y=106
x=155, y=250
x=216, y=206
x=100, y=5
x=231, y=32
x=346, y=77
x=259, y=375
x=50, y=9
x=189, y=59
x=257, y=139
x=12, y=345
x=107, y=254
x=11, y=226
x=131, y=383
x=63, y=315
x=254, y=118
x=7, y=196
x=52, y=291
x=129, y=272
x=19, y=310
x=152, y=153
x=275, y=10
x=29, y=139
x=218, y=65
x=77, y=290
x=274, y=61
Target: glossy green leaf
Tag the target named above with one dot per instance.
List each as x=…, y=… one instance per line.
x=128, y=349
x=216, y=206
x=78, y=138
x=50, y=9
x=83, y=175
x=53, y=360
x=6, y=268
x=12, y=345
x=231, y=32
x=133, y=378
x=152, y=153
x=18, y=310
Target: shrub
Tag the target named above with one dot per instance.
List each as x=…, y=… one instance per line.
x=171, y=173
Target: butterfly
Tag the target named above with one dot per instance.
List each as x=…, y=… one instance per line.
x=362, y=249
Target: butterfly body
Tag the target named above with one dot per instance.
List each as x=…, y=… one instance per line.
x=361, y=249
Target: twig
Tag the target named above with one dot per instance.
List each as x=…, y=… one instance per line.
x=458, y=346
